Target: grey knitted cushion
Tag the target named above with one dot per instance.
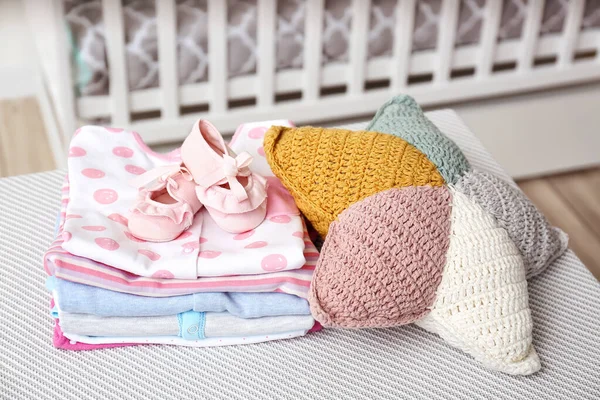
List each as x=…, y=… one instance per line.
x=539, y=243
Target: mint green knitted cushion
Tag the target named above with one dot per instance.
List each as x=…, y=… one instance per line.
x=402, y=117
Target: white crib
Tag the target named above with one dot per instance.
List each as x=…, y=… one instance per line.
x=445, y=74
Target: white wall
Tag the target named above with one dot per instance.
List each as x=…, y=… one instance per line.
x=18, y=51
x=539, y=133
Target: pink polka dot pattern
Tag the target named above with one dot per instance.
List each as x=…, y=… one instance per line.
x=94, y=228
x=135, y=239
x=105, y=196
x=184, y=235
x=71, y=216
x=280, y=219
x=256, y=245
x=261, y=151
x=203, y=240
x=298, y=234
x=150, y=254
x=118, y=218
x=163, y=274
x=209, y=254
x=77, y=151
x=107, y=243
x=274, y=262
x=66, y=236
x=124, y=152
x=257, y=133
x=93, y=173
x=134, y=169
x=244, y=235
x=114, y=130
x=190, y=247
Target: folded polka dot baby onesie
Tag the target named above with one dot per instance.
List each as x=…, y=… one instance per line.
x=64, y=265
x=102, y=161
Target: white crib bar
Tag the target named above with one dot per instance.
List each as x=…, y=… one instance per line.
x=265, y=85
x=531, y=32
x=571, y=32
x=489, y=36
x=167, y=58
x=597, y=58
x=402, y=48
x=359, y=39
x=67, y=119
x=445, y=40
x=217, y=55
x=112, y=13
x=313, y=35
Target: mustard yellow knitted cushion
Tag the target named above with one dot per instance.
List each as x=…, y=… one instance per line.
x=326, y=169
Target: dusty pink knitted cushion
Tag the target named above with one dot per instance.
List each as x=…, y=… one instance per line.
x=382, y=260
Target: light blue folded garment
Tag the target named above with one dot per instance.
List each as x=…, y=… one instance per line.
x=83, y=299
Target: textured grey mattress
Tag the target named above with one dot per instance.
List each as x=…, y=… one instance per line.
x=404, y=362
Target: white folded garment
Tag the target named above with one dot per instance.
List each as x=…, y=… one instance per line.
x=190, y=325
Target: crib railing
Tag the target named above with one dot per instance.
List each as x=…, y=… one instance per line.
x=319, y=92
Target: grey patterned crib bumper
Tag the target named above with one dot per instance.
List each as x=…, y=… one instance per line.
x=86, y=27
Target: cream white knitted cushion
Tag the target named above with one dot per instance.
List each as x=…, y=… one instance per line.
x=482, y=304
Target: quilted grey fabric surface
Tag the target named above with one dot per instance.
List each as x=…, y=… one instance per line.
x=404, y=362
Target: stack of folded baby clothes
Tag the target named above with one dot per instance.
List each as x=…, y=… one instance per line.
x=233, y=265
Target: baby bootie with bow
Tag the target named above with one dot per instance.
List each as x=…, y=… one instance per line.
x=166, y=203
x=235, y=197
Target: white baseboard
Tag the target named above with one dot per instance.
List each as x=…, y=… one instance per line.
x=539, y=133
x=18, y=82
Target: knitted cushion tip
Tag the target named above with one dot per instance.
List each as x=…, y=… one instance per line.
x=327, y=170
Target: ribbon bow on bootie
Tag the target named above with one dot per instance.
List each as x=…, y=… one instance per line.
x=157, y=176
x=229, y=173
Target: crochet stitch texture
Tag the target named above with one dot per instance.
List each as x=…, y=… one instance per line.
x=539, y=243
x=401, y=116
x=482, y=305
x=327, y=170
x=382, y=260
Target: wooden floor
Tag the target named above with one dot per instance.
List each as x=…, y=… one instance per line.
x=24, y=147
x=570, y=201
